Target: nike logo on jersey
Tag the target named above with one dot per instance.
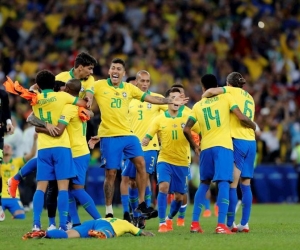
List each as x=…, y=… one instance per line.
x=105, y=93
x=163, y=127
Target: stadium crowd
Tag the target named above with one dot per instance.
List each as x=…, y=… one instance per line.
x=176, y=41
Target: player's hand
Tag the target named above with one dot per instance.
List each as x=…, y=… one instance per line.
x=35, y=136
x=145, y=233
x=180, y=100
x=145, y=141
x=53, y=130
x=10, y=129
x=88, y=101
x=34, y=87
x=93, y=141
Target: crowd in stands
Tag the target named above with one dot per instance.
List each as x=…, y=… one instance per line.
x=176, y=41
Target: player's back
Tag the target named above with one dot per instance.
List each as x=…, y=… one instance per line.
x=246, y=103
x=48, y=108
x=140, y=115
x=114, y=104
x=121, y=226
x=76, y=130
x=213, y=115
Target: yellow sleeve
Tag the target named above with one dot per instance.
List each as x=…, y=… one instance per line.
x=133, y=230
x=67, y=114
x=19, y=162
x=193, y=114
x=89, y=85
x=232, y=102
x=137, y=93
x=153, y=128
x=69, y=99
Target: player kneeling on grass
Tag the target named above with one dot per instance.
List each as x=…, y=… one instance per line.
x=101, y=228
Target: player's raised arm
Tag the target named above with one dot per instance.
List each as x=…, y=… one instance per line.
x=213, y=91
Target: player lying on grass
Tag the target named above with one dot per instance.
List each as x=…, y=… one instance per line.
x=101, y=228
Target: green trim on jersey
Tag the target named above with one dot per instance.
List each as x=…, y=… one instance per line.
x=121, y=86
x=76, y=100
x=234, y=107
x=149, y=136
x=63, y=122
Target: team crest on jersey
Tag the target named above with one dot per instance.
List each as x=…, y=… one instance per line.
x=174, y=126
x=182, y=125
x=149, y=105
x=124, y=94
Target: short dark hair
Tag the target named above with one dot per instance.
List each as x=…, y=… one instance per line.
x=177, y=85
x=118, y=60
x=235, y=79
x=74, y=85
x=45, y=79
x=172, y=90
x=58, y=85
x=130, y=78
x=84, y=59
x=209, y=81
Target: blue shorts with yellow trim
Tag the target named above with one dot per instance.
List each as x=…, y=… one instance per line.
x=81, y=163
x=177, y=176
x=150, y=160
x=98, y=225
x=55, y=164
x=115, y=149
x=216, y=164
x=244, y=153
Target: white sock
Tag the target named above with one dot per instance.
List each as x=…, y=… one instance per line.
x=109, y=209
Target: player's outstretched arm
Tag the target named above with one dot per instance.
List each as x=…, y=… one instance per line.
x=245, y=121
x=145, y=233
x=212, y=92
x=187, y=130
x=162, y=100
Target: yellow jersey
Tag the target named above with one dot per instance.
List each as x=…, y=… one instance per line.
x=86, y=85
x=8, y=170
x=48, y=108
x=213, y=116
x=114, y=104
x=122, y=226
x=140, y=115
x=246, y=103
x=76, y=130
x=175, y=149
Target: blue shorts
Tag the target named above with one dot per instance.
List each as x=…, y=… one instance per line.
x=55, y=164
x=189, y=174
x=175, y=175
x=12, y=204
x=244, y=153
x=150, y=159
x=216, y=164
x=114, y=149
x=98, y=225
x=81, y=163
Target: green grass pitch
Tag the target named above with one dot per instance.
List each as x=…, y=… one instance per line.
x=271, y=227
